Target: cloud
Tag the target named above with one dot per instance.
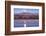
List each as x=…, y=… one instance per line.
x=21, y=10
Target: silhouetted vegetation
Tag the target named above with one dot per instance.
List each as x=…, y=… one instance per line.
x=26, y=16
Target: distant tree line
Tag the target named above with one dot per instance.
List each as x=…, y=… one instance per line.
x=26, y=17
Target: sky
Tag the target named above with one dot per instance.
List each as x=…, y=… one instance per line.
x=21, y=10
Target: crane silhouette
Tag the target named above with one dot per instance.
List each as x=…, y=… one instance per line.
x=24, y=23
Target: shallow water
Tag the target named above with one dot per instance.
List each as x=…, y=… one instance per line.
x=29, y=23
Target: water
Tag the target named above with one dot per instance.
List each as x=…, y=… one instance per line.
x=29, y=23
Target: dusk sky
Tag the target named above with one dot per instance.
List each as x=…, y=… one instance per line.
x=21, y=10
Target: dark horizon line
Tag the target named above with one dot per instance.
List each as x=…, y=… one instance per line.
x=26, y=19
x=26, y=13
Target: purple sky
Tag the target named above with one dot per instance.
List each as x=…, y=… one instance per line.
x=21, y=10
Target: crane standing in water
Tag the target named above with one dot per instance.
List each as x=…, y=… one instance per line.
x=24, y=23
